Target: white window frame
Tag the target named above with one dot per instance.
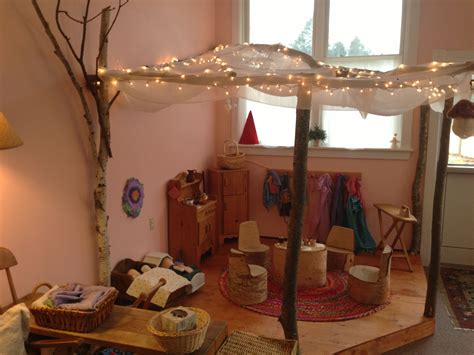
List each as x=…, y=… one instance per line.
x=408, y=45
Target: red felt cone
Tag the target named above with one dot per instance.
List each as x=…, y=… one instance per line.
x=249, y=135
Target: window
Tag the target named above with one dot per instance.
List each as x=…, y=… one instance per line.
x=364, y=34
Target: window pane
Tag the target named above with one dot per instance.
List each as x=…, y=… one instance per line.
x=347, y=129
x=364, y=27
x=281, y=21
x=275, y=125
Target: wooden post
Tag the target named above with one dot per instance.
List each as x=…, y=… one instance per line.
x=419, y=176
x=433, y=275
x=295, y=227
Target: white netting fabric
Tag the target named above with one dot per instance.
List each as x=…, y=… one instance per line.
x=277, y=75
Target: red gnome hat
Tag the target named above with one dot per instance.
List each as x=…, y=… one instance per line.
x=249, y=134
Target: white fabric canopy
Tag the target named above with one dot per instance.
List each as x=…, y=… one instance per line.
x=275, y=74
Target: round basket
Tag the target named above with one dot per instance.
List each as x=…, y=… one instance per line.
x=230, y=160
x=181, y=342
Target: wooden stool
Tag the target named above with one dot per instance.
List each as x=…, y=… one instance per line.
x=369, y=284
x=400, y=217
x=340, y=245
x=247, y=282
x=311, y=269
x=249, y=243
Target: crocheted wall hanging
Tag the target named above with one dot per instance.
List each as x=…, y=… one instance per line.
x=132, y=198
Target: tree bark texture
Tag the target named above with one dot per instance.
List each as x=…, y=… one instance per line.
x=419, y=178
x=295, y=227
x=100, y=146
x=100, y=189
x=433, y=275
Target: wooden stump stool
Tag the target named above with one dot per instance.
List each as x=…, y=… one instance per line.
x=312, y=265
x=258, y=257
x=247, y=282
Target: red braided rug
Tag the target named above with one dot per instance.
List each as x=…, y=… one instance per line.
x=323, y=304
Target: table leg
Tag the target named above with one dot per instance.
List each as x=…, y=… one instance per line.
x=379, y=212
x=399, y=237
x=385, y=237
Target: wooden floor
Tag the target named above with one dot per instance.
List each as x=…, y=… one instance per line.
x=401, y=322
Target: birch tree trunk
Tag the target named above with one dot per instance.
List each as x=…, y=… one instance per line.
x=100, y=143
x=419, y=177
x=100, y=189
x=433, y=275
x=295, y=227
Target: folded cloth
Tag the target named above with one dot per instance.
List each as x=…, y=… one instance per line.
x=71, y=293
x=89, y=298
x=14, y=328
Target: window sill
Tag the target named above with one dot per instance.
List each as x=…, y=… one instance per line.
x=329, y=152
x=460, y=169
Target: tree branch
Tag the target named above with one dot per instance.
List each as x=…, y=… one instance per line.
x=58, y=24
x=87, y=20
x=84, y=30
x=69, y=16
x=113, y=99
x=59, y=53
x=101, y=47
x=94, y=17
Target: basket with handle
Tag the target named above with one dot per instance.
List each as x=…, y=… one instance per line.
x=231, y=160
x=180, y=342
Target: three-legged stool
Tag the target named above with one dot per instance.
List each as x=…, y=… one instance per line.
x=398, y=223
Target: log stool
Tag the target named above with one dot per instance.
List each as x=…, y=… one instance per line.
x=369, y=284
x=249, y=243
x=340, y=245
x=311, y=269
x=247, y=282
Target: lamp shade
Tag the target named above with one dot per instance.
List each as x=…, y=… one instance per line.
x=8, y=137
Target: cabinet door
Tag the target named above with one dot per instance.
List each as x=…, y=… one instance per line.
x=235, y=182
x=206, y=233
x=235, y=212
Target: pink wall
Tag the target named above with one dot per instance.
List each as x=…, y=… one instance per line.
x=445, y=25
x=46, y=215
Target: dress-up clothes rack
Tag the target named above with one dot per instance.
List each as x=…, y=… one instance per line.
x=334, y=198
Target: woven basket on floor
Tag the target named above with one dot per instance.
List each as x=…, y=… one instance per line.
x=245, y=343
x=73, y=320
x=181, y=342
x=230, y=160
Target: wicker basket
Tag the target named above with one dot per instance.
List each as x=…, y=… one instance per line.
x=72, y=320
x=230, y=160
x=250, y=344
x=181, y=342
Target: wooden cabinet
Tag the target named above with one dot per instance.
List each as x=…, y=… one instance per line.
x=231, y=190
x=191, y=228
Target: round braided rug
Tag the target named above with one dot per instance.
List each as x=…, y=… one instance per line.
x=323, y=304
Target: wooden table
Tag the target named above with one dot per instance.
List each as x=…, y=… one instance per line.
x=311, y=269
x=126, y=329
x=398, y=223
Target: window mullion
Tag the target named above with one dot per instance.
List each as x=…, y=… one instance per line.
x=320, y=43
x=320, y=28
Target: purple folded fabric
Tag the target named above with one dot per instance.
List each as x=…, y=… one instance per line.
x=79, y=297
